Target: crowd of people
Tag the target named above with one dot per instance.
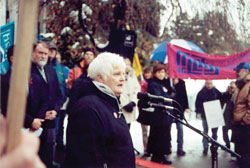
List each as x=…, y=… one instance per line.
x=99, y=95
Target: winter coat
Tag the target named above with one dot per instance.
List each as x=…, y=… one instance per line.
x=203, y=96
x=97, y=133
x=60, y=71
x=181, y=97
x=37, y=103
x=43, y=96
x=130, y=90
x=160, y=123
x=241, y=114
x=160, y=88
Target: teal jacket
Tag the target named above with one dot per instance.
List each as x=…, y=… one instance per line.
x=60, y=71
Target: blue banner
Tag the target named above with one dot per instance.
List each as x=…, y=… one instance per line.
x=6, y=40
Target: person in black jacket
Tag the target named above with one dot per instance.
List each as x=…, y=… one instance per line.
x=207, y=93
x=44, y=101
x=97, y=133
x=181, y=98
x=160, y=124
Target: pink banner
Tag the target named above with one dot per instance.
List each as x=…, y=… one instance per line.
x=183, y=64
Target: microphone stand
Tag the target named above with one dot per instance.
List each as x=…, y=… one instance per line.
x=214, y=143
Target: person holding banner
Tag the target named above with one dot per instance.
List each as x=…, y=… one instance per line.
x=207, y=93
x=241, y=114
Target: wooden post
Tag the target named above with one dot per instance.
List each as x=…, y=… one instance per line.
x=21, y=71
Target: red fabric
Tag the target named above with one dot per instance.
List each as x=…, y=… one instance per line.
x=183, y=64
x=149, y=164
x=144, y=86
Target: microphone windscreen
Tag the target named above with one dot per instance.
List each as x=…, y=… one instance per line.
x=143, y=104
x=142, y=96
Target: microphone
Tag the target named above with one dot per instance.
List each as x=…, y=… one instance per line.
x=148, y=97
x=144, y=104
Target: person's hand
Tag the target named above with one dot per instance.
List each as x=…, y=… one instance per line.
x=129, y=106
x=24, y=155
x=37, y=123
x=187, y=110
x=50, y=115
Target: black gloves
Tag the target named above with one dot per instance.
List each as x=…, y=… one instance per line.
x=129, y=106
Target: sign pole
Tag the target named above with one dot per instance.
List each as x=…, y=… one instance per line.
x=21, y=71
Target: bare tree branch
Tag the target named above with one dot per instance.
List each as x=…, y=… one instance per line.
x=82, y=24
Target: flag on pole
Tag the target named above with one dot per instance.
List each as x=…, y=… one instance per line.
x=136, y=64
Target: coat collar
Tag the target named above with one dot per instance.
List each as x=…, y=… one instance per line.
x=105, y=89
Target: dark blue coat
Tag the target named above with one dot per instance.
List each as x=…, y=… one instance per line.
x=96, y=135
x=160, y=130
x=43, y=96
x=161, y=88
x=36, y=102
x=35, y=94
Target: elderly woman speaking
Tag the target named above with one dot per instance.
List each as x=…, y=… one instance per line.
x=97, y=133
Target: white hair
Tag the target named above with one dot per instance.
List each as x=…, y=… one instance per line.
x=104, y=65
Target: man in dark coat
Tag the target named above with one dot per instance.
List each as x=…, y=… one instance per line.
x=44, y=101
x=97, y=133
x=207, y=93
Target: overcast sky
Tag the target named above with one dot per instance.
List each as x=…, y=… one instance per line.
x=238, y=15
